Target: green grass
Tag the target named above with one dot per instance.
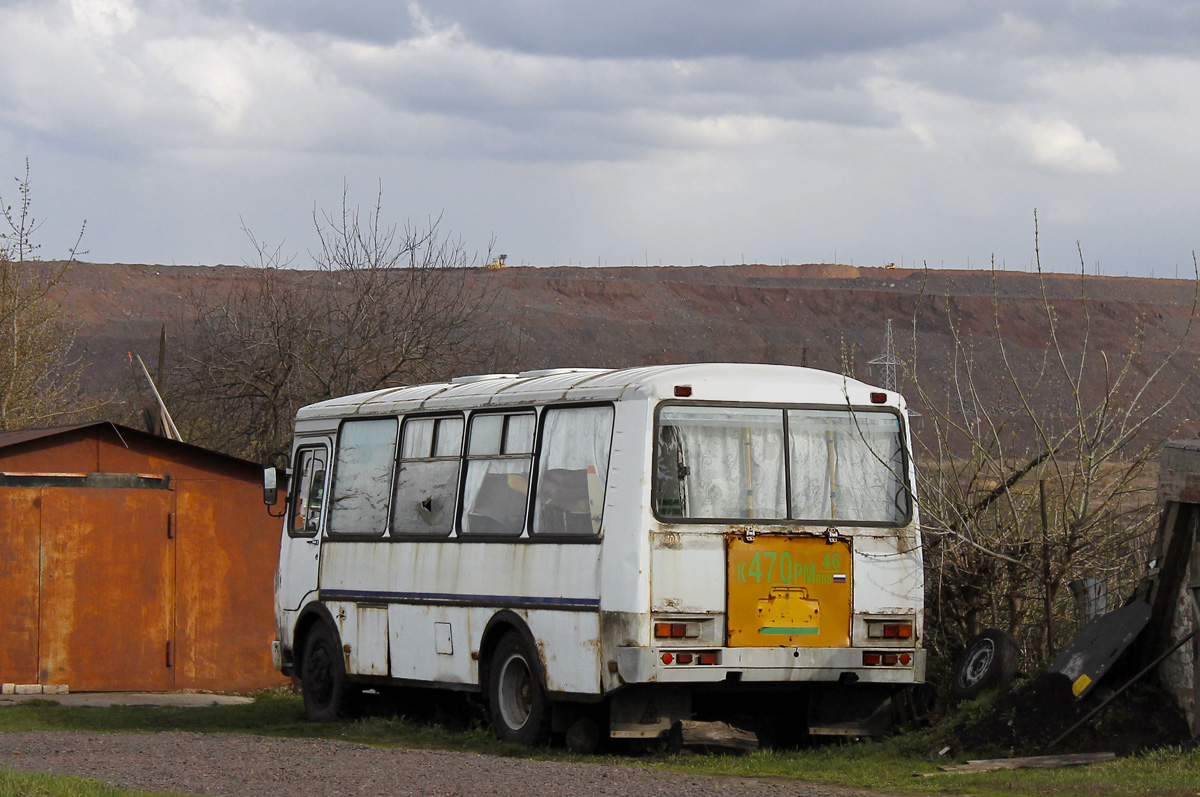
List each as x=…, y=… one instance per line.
x=25, y=784
x=891, y=765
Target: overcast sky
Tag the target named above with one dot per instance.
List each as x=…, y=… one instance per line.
x=615, y=132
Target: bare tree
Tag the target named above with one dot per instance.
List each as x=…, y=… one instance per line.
x=1036, y=465
x=39, y=383
x=380, y=306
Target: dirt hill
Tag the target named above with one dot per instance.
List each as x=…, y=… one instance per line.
x=823, y=315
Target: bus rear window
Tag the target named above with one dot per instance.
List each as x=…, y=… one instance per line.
x=720, y=462
x=731, y=463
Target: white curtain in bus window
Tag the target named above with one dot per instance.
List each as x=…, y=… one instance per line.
x=573, y=470
x=720, y=462
x=427, y=476
x=847, y=466
x=499, y=461
x=362, y=475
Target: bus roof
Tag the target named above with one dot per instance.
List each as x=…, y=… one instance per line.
x=745, y=382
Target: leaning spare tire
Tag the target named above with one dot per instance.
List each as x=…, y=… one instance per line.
x=989, y=662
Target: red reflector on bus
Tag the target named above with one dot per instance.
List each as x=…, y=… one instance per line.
x=879, y=398
x=905, y=658
x=708, y=658
x=667, y=658
x=683, y=391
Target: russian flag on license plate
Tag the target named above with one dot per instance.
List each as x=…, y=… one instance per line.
x=839, y=578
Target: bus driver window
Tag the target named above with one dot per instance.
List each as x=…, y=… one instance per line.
x=310, y=491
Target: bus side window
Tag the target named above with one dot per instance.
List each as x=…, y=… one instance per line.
x=670, y=474
x=427, y=476
x=309, y=492
x=362, y=477
x=499, y=461
x=573, y=470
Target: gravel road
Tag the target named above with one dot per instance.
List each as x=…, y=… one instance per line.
x=255, y=766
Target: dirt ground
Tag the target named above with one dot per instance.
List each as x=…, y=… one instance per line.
x=254, y=766
x=1030, y=717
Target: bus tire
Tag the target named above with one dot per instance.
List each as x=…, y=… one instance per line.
x=323, y=678
x=990, y=661
x=516, y=696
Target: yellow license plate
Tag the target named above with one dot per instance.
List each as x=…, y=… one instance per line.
x=789, y=592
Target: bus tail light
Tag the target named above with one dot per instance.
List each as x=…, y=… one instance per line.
x=676, y=630
x=681, y=658
x=889, y=630
x=708, y=658
x=878, y=658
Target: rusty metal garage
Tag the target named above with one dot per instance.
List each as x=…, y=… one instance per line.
x=130, y=562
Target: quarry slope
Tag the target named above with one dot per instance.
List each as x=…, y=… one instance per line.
x=822, y=315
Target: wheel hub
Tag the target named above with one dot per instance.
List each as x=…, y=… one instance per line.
x=516, y=692
x=977, y=663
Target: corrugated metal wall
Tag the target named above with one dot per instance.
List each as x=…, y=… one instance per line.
x=135, y=588
x=20, y=579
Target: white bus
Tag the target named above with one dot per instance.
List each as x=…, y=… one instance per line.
x=624, y=548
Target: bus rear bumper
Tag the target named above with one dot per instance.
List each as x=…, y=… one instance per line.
x=637, y=665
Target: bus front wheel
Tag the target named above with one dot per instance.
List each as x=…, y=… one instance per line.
x=516, y=696
x=323, y=677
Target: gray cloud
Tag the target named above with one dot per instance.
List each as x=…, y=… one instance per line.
x=700, y=129
x=757, y=29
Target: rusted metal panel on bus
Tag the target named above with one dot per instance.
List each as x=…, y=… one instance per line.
x=227, y=547
x=789, y=592
x=20, y=528
x=107, y=589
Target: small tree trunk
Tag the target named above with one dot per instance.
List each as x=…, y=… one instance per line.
x=1047, y=592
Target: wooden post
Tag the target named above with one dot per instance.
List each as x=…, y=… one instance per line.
x=710, y=736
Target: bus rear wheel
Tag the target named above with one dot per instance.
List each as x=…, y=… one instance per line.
x=516, y=696
x=323, y=677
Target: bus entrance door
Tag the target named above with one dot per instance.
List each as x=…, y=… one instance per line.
x=301, y=556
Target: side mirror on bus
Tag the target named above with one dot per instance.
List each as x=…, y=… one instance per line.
x=270, y=486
